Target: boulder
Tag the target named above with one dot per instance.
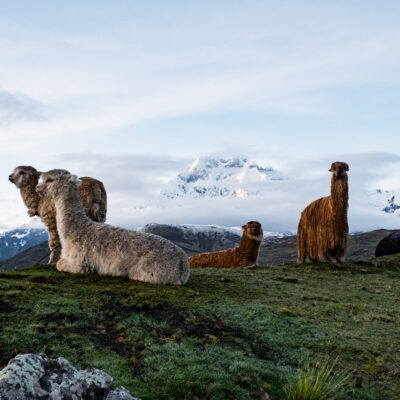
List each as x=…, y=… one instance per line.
x=37, y=377
x=388, y=245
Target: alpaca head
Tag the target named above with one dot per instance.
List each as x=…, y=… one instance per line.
x=23, y=176
x=253, y=229
x=339, y=169
x=56, y=182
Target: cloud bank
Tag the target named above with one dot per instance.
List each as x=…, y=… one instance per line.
x=135, y=183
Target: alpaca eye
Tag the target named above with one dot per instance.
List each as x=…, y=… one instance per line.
x=49, y=180
x=21, y=172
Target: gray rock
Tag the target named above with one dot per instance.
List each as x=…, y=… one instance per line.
x=391, y=369
x=37, y=377
x=120, y=393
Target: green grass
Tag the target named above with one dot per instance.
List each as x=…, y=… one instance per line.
x=224, y=335
x=315, y=381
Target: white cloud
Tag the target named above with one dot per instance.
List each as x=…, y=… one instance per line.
x=71, y=83
x=134, y=184
x=141, y=72
x=17, y=107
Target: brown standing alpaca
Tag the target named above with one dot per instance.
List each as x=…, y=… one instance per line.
x=93, y=196
x=323, y=228
x=243, y=256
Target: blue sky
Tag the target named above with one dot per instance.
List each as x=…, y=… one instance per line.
x=167, y=81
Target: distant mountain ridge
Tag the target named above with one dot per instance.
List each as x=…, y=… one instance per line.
x=220, y=177
x=17, y=240
x=195, y=239
x=275, y=249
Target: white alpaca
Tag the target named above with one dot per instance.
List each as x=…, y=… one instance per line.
x=89, y=246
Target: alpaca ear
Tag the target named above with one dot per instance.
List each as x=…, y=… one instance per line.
x=74, y=179
x=346, y=166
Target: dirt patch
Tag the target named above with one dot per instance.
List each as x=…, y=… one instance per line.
x=286, y=279
x=42, y=279
x=11, y=276
x=5, y=307
x=188, y=325
x=112, y=338
x=59, y=318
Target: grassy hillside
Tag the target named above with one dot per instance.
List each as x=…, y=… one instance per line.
x=222, y=336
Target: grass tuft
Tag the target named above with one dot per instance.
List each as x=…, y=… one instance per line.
x=314, y=382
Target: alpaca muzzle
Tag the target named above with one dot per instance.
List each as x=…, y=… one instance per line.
x=11, y=178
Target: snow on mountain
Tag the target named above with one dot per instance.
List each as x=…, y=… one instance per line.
x=218, y=177
x=193, y=229
x=15, y=240
x=388, y=201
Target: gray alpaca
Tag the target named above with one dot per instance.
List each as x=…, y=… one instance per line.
x=89, y=246
x=92, y=192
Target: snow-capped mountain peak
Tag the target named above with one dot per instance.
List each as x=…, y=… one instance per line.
x=388, y=201
x=220, y=177
x=15, y=240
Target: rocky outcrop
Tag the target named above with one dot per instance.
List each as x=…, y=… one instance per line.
x=37, y=377
x=388, y=245
x=196, y=238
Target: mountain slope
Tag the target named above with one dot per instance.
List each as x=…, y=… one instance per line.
x=19, y=239
x=218, y=177
x=38, y=254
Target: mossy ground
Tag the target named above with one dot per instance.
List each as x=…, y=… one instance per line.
x=222, y=336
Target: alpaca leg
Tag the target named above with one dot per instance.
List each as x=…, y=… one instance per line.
x=301, y=253
x=55, y=247
x=63, y=265
x=69, y=265
x=301, y=245
x=338, y=253
x=301, y=258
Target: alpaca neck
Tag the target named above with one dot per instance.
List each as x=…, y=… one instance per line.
x=339, y=194
x=249, y=247
x=71, y=216
x=30, y=196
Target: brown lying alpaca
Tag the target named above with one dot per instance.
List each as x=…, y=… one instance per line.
x=93, y=196
x=243, y=256
x=323, y=228
x=388, y=245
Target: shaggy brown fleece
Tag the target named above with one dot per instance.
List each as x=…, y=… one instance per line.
x=93, y=196
x=243, y=256
x=323, y=227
